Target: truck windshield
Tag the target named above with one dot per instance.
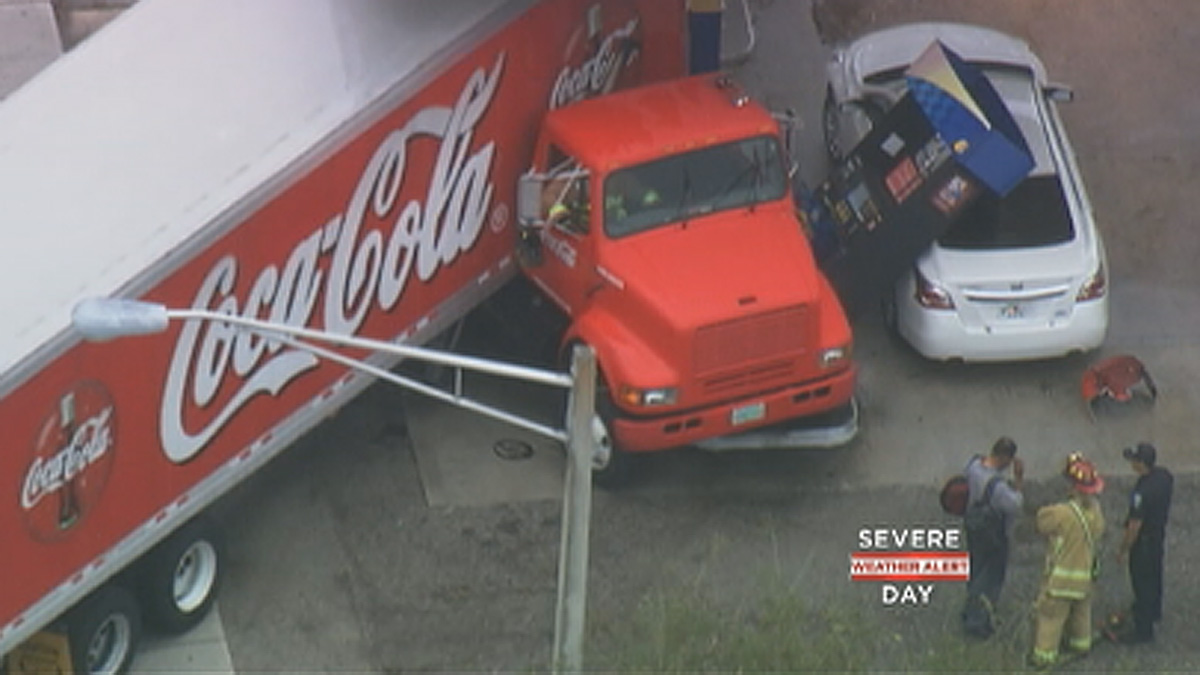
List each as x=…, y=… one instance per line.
x=716, y=178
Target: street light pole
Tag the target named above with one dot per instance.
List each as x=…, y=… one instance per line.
x=577, y=513
x=102, y=319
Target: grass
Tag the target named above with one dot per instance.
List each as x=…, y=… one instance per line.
x=685, y=631
x=687, y=628
x=777, y=619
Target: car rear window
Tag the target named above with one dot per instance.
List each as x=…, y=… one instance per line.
x=1035, y=213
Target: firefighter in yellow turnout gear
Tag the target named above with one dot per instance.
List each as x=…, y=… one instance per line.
x=1073, y=529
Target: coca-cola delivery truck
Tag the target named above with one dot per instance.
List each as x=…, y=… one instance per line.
x=660, y=220
x=371, y=169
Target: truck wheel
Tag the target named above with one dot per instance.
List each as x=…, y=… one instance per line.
x=104, y=631
x=611, y=466
x=181, y=578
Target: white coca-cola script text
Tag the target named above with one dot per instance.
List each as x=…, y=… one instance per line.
x=91, y=440
x=598, y=74
x=366, y=268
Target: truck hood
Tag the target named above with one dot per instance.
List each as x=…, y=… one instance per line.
x=716, y=268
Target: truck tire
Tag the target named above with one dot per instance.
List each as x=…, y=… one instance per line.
x=180, y=578
x=104, y=631
x=611, y=466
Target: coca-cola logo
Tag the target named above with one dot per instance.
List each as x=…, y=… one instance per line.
x=340, y=272
x=72, y=459
x=597, y=73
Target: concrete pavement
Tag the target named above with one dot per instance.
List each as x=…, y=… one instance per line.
x=466, y=459
x=201, y=650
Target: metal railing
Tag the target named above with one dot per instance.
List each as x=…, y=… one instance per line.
x=102, y=319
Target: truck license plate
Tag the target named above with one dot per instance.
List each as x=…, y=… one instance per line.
x=748, y=413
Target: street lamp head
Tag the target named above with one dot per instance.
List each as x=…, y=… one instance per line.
x=100, y=319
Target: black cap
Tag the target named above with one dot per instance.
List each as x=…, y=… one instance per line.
x=1142, y=452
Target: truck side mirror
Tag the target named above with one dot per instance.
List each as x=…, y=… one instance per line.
x=530, y=187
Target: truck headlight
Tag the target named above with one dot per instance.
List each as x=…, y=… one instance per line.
x=649, y=398
x=834, y=357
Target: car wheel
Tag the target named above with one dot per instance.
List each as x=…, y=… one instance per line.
x=829, y=126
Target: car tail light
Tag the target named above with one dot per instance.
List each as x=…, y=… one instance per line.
x=1095, y=287
x=929, y=295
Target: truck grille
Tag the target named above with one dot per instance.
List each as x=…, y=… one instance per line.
x=721, y=347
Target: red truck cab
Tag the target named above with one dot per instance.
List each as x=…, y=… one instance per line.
x=660, y=220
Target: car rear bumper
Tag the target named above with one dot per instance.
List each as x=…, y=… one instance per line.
x=780, y=405
x=941, y=335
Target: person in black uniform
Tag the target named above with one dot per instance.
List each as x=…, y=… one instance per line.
x=1145, y=530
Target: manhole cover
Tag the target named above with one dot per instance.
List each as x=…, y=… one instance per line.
x=511, y=448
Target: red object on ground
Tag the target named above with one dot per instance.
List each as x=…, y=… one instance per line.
x=1115, y=377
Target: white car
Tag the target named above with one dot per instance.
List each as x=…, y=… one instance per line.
x=1018, y=277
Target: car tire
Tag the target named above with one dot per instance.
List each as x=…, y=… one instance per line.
x=829, y=127
x=104, y=631
x=180, y=578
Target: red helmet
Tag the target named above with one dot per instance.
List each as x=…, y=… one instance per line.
x=1083, y=474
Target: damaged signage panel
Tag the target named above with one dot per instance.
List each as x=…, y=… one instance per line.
x=946, y=140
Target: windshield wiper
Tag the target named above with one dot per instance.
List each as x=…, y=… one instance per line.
x=758, y=177
x=683, y=214
x=754, y=171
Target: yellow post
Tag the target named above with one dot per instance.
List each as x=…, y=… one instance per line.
x=45, y=653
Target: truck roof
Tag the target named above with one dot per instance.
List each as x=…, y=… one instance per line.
x=170, y=123
x=636, y=125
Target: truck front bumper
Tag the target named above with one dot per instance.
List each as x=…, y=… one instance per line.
x=820, y=413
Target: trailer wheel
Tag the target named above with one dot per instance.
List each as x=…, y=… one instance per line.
x=611, y=466
x=181, y=578
x=104, y=631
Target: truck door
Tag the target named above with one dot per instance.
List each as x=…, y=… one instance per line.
x=568, y=241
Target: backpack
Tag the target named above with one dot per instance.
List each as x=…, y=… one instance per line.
x=955, y=492
x=983, y=522
x=954, y=495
